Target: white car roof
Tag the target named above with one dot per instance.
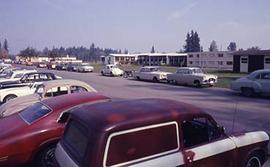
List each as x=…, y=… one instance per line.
x=67, y=82
x=150, y=67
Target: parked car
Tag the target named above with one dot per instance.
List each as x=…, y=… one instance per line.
x=61, y=66
x=154, y=132
x=112, y=70
x=257, y=82
x=72, y=67
x=85, y=67
x=31, y=135
x=42, y=64
x=51, y=65
x=152, y=73
x=192, y=76
x=29, y=78
x=15, y=75
x=26, y=96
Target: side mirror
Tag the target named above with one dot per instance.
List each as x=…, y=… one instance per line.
x=63, y=117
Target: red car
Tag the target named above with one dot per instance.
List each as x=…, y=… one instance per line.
x=32, y=134
x=154, y=133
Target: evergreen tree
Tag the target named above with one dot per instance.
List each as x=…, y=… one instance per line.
x=0, y=46
x=153, y=49
x=5, y=45
x=213, y=46
x=232, y=46
x=192, y=42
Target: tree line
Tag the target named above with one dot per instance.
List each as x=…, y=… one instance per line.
x=92, y=53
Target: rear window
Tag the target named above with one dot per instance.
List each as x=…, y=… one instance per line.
x=76, y=139
x=130, y=146
x=34, y=112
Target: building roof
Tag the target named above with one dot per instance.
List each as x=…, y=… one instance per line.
x=162, y=54
x=253, y=52
x=133, y=113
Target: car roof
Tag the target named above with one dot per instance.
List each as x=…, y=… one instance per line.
x=262, y=70
x=30, y=73
x=151, y=67
x=74, y=99
x=188, y=68
x=66, y=82
x=133, y=113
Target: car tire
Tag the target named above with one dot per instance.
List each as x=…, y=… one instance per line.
x=254, y=160
x=45, y=157
x=155, y=79
x=248, y=92
x=197, y=84
x=102, y=73
x=9, y=97
x=138, y=78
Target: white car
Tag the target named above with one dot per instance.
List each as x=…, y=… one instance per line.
x=257, y=82
x=85, y=67
x=39, y=91
x=152, y=73
x=112, y=70
x=15, y=75
x=192, y=76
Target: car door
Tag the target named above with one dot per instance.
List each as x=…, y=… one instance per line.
x=205, y=145
x=264, y=81
x=178, y=76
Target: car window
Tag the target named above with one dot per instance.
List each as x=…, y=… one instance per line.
x=77, y=89
x=198, y=131
x=18, y=75
x=133, y=145
x=265, y=76
x=75, y=137
x=34, y=112
x=56, y=91
x=44, y=77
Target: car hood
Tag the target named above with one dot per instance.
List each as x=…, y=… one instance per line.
x=206, y=75
x=16, y=105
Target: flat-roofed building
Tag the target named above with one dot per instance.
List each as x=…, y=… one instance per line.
x=172, y=59
x=251, y=60
x=218, y=60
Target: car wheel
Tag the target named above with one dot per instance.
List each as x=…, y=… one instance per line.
x=46, y=157
x=254, y=160
x=197, y=84
x=138, y=78
x=155, y=79
x=102, y=73
x=247, y=92
x=9, y=97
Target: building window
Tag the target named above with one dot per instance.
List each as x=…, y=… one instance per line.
x=220, y=55
x=244, y=60
x=198, y=55
x=229, y=63
x=190, y=62
x=267, y=60
x=190, y=55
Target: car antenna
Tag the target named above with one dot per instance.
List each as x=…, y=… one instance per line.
x=234, y=116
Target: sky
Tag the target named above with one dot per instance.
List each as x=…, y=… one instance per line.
x=136, y=25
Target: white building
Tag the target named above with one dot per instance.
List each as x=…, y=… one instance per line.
x=219, y=60
x=174, y=59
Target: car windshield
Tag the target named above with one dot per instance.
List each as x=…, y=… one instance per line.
x=197, y=71
x=34, y=112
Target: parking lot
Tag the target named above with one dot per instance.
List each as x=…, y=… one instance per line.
x=223, y=104
x=235, y=112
